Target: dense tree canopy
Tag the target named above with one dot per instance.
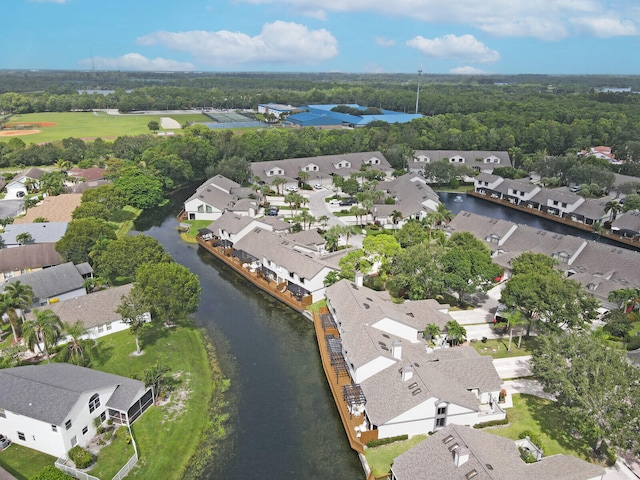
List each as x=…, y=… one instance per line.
x=596, y=387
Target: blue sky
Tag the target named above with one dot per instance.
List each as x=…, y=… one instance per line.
x=436, y=36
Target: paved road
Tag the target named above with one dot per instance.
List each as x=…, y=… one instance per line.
x=513, y=367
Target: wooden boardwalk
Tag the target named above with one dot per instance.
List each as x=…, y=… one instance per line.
x=337, y=380
x=277, y=290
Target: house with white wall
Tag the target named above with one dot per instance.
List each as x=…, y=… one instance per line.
x=408, y=385
x=52, y=408
x=480, y=160
x=27, y=258
x=95, y=311
x=217, y=195
x=45, y=232
x=412, y=196
x=20, y=185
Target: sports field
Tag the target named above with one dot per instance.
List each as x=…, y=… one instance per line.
x=49, y=127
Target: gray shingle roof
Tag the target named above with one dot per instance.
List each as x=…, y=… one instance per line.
x=220, y=192
x=261, y=244
x=491, y=456
x=49, y=392
x=326, y=165
x=25, y=257
x=603, y=267
x=412, y=194
x=469, y=155
x=53, y=281
x=93, y=309
x=49, y=232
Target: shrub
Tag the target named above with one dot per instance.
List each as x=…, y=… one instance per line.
x=51, y=473
x=81, y=457
x=386, y=441
x=535, y=439
x=492, y=423
x=634, y=343
x=526, y=455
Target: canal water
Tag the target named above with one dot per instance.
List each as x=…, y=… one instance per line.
x=284, y=423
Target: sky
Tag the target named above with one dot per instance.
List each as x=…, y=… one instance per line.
x=371, y=36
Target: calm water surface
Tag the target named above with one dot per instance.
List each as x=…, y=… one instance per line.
x=285, y=424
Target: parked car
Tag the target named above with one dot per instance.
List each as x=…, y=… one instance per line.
x=272, y=211
x=317, y=186
x=335, y=201
x=347, y=202
x=291, y=189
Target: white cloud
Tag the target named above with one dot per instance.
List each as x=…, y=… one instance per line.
x=467, y=71
x=278, y=42
x=606, y=27
x=135, y=61
x=465, y=48
x=385, y=42
x=543, y=19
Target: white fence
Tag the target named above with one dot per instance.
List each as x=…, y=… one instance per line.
x=61, y=464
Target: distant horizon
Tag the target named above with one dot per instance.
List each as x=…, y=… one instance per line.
x=466, y=37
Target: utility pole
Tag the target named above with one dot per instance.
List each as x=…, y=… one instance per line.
x=418, y=93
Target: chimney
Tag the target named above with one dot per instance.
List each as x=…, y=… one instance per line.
x=460, y=456
x=359, y=279
x=407, y=373
x=396, y=349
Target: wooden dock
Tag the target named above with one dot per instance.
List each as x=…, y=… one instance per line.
x=277, y=290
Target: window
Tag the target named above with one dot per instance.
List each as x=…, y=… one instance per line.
x=54, y=428
x=103, y=416
x=109, y=326
x=21, y=436
x=85, y=430
x=2, y=413
x=94, y=403
x=209, y=209
x=74, y=441
x=67, y=424
x=441, y=417
x=200, y=208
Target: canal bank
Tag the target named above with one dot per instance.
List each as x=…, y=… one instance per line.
x=283, y=422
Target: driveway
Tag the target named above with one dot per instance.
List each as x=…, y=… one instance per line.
x=526, y=386
x=486, y=303
x=514, y=367
x=10, y=208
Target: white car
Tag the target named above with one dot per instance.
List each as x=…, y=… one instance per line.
x=334, y=201
x=291, y=189
x=317, y=186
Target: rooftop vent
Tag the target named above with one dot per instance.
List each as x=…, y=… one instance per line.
x=447, y=439
x=471, y=474
x=366, y=305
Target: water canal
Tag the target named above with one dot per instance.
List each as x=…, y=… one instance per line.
x=284, y=422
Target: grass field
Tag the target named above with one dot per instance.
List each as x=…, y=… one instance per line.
x=381, y=458
x=543, y=419
x=24, y=463
x=166, y=436
x=88, y=125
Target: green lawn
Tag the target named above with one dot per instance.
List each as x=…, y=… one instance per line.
x=167, y=436
x=196, y=225
x=497, y=348
x=24, y=463
x=381, y=458
x=544, y=419
x=113, y=456
x=88, y=125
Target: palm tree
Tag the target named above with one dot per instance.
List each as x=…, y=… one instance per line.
x=306, y=218
x=455, y=332
x=431, y=331
x=612, y=207
x=303, y=177
x=63, y=165
x=395, y=217
x=277, y=182
x=17, y=297
x=76, y=345
x=24, y=238
x=45, y=329
x=347, y=231
x=514, y=319
x=626, y=298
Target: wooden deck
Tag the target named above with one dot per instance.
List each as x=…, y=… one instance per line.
x=278, y=291
x=336, y=382
x=635, y=242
